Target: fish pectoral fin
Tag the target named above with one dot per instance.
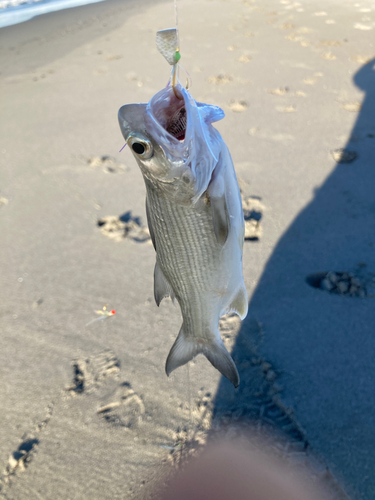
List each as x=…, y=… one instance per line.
x=150, y=228
x=239, y=305
x=162, y=288
x=210, y=113
x=219, y=208
x=184, y=350
x=220, y=218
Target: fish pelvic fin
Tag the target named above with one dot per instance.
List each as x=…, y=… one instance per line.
x=162, y=288
x=185, y=349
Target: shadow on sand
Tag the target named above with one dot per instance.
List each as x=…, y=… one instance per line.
x=320, y=344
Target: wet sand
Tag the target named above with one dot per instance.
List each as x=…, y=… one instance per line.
x=86, y=409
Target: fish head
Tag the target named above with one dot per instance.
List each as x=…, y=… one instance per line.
x=173, y=141
x=146, y=150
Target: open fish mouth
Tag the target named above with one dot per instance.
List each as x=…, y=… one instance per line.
x=170, y=113
x=177, y=124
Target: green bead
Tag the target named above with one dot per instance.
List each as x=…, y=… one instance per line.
x=177, y=57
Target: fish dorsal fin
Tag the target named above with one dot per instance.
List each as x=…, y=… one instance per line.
x=150, y=228
x=239, y=304
x=219, y=208
x=162, y=288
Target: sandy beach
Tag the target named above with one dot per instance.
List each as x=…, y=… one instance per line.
x=86, y=409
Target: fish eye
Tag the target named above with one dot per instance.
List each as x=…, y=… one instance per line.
x=138, y=148
x=141, y=146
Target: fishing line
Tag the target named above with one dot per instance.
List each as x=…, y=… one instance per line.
x=176, y=21
x=175, y=70
x=189, y=394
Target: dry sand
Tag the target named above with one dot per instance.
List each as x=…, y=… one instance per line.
x=87, y=411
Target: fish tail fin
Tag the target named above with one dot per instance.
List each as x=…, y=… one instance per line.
x=220, y=358
x=184, y=350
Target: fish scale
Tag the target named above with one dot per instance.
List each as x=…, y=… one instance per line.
x=191, y=278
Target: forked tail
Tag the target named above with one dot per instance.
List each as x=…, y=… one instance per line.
x=185, y=349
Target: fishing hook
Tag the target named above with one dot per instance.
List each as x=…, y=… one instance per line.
x=177, y=57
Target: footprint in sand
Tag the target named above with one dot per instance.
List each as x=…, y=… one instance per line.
x=190, y=442
x=328, y=56
x=97, y=376
x=3, y=201
x=220, y=79
x=354, y=107
x=124, y=408
x=90, y=373
x=20, y=458
x=107, y=163
x=312, y=80
x=229, y=326
x=114, y=58
x=238, y=106
x=43, y=75
x=363, y=27
x=279, y=91
x=294, y=38
x=360, y=59
x=133, y=77
x=244, y=58
x=345, y=284
x=124, y=226
x=330, y=43
x=253, y=213
x=285, y=109
x=252, y=208
x=344, y=155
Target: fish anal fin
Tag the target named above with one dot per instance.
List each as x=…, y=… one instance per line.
x=185, y=349
x=162, y=288
x=239, y=304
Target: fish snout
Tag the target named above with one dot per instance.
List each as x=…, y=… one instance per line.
x=131, y=119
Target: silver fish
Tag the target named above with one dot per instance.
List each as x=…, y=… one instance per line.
x=195, y=218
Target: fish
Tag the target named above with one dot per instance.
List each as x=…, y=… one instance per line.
x=195, y=218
